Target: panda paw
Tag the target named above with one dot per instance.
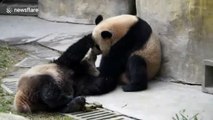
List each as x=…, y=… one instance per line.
x=77, y=104
x=80, y=100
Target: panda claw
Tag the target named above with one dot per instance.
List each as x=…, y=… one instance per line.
x=77, y=104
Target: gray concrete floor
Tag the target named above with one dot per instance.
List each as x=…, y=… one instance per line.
x=160, y=102
x=23, y=29
x=24, y=26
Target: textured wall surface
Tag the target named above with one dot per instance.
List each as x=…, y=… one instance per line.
x=185, y=30
x=83, y=11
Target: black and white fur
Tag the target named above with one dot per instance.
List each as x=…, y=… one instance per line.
x=130, y=51
x=58, y=86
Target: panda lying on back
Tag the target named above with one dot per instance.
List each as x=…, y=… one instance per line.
x=130, y=51
x=56, y=86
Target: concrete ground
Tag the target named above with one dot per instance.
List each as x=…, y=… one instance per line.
x=162, y=101
x=23, y=29
x=24, y=26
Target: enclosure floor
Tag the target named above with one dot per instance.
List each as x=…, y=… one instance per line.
x=160, y=102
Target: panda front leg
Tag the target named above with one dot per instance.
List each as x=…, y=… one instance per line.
x=137, y=74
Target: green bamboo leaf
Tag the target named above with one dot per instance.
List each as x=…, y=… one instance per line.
x=183, y=117
x=177, y=117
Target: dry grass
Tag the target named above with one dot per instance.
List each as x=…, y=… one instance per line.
x=8, y=57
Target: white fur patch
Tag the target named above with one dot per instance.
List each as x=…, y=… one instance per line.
x=151, y=52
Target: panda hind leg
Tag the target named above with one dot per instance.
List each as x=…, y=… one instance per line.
x=51, y=94
x=137, y=74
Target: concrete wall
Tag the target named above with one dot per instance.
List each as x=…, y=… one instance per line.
x=185, y=30
x=83, y=11
x=208, y=28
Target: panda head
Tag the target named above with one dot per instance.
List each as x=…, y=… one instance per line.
x=109, y=31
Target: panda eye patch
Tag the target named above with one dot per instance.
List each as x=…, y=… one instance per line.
x=106, y=34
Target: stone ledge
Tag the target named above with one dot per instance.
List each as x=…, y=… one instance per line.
x=9, y=85
x=208, y=62
x=207, y=85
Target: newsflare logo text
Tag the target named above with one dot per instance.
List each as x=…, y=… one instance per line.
x=10, y=10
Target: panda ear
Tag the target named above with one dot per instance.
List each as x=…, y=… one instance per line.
x=106, y=34
x=98, y=19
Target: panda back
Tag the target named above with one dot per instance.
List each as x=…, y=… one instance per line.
x=48, y=69
x=151, y=52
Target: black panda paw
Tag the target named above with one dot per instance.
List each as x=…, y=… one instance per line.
x=79, y=100
x=133, y=88
x=77, y=104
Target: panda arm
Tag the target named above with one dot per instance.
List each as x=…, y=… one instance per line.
x=92, y=85
x=76, y=52
x=106, y=81
x=111, y=66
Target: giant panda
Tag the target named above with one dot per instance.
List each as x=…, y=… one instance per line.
x=59, y=86
x=131, y=53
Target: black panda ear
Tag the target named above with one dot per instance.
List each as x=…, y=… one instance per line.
x=98, y=19
x=106, y=34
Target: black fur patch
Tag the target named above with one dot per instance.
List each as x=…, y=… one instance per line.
x=137, y=74
x=106, y=34
x=75, y=53
x=51, y=94
x=98, y=19
x=75, y=105
x=90, y=85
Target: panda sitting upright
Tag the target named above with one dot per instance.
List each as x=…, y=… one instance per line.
x=131, y=52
